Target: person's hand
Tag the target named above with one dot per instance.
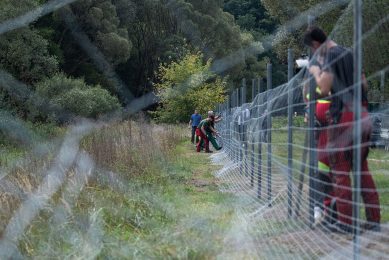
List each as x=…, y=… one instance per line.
x=314, y=70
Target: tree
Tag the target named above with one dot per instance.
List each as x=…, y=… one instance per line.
x=286, y=11
x=10, y=9
x=375, y=33
x=186, y=85
x=338, y=23
x=251, y=15
x=101, y=22
x=135, y=37
x=159, y=31
x=156, y=39
x=218, y=36
x=24, y=53
x=257, y=24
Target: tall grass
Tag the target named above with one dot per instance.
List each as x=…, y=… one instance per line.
x=132, y=148
x=122, y=197
x=22, y=170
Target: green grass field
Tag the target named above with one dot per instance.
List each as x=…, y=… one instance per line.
x=166, y=204
x=171, y=209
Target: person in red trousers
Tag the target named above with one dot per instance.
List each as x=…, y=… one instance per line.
x=335, y=78
x=324, y=201
x=206, y=131
x=201, y=133
x=326, y=208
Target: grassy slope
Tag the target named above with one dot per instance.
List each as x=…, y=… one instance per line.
x=178, y=212
x=171, y=208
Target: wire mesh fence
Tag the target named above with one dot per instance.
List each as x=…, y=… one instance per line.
x=271, y=160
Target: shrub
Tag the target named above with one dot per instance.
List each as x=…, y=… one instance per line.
x=60, y=99
x=90, y=102
x=185, y=86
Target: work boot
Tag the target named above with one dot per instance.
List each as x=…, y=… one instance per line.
x=318, y=215
x=372, y=226
x=209, y=151
x=340, y=227
x=333, y=211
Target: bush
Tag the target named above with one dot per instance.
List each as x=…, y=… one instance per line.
x=59, y=99
x=187, y=85
x=90, y=102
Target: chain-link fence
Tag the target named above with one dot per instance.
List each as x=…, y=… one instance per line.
x=272, y=158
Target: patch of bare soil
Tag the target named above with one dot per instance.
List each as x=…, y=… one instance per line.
x=200, y=183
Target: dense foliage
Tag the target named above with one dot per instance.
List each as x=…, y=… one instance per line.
x=120, y=46
x=337, y=21
x=255, y=20
x=59, y=98
x=185, y=85
x=111, y=42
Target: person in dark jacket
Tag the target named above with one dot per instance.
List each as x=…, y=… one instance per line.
x=335, y=80
x=194, y=121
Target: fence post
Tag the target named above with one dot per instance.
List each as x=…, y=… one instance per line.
x=231, y=127
x=244, y=129
x=382, y=88
x=269, y=126
x=312, y=161
x=240, y=147
x=311, y=130
x=223, y=123
x=237, y=148
x=227, y=121
x=233, y=100
x=253, y=92
x=252, y=139
x=290, y=130
x=259, y=148
x=357, y=124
